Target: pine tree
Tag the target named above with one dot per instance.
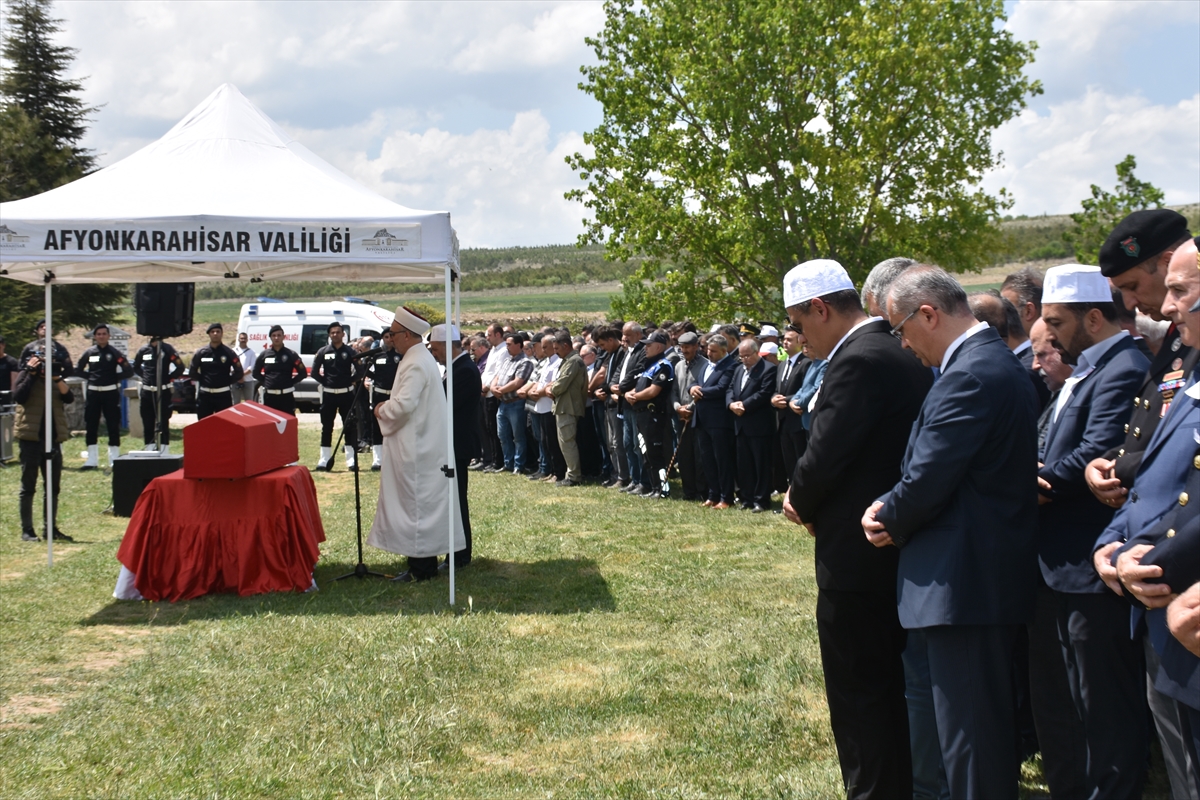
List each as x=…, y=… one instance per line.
x=42, y=121
x=34, y=78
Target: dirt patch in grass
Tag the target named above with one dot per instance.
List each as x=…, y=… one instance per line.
x=571, y=677
x=20, y=708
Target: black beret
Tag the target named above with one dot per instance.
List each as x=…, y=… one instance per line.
x=39, y=324
x=1139, y=237
x=98, y=327
x=216, y=326
x=659, y=337
x=275, y=328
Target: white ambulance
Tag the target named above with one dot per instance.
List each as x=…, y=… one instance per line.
x=305, y=330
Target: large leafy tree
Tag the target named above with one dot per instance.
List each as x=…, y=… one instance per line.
x=1103, y=210
x=42, y=121
x=741, y=137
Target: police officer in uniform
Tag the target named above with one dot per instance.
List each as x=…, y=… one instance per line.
x=156, y=389
x=104, y=368
x=381, y=368
x=334, y=368
x=279, y=370
x=652, y=411
x=216, y=370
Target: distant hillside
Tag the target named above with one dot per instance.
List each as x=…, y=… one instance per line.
x=1024, y=239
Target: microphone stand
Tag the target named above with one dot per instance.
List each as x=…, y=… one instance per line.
x=360, y=569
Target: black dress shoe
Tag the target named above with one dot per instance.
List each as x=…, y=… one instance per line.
x=59, y=536
x=404, y=577
x=538, y=476
x=29, y=536
x=758, y=509
x=376, y=467
x=444, y=566
x=565, y=482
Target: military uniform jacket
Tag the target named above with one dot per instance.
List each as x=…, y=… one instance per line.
x=279, y=369
x=103, y=366
x=657, y=372
x=145, y=362
x=1163, y=382
x=381, y=367
x=215, y=368
x=333, y=367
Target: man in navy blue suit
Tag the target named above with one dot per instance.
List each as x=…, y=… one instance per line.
x=964, y=516
x=713, y=422
x=749, y=398
x=1147, y=553
x=1086, y=673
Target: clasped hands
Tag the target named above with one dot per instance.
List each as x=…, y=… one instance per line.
x=1130, y=574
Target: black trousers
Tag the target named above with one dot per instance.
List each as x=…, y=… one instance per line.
x=861, y=645
x=652, y=438
x=489, y=455
x=718, y=454
x=793, y=446
x=588, y=441
x=549, y=428
x=691, y=470
x=970, y=670
x=280, y=402
x=108, y=405
x=149, y=404
x=490, y=433
x=33, y=461
x=463, y=557
x=376, y=434
x=331, y=406
x=755, y=469
x=1087, y=683
x=209, y=403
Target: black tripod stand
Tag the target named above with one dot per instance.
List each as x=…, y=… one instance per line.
x=360, y=569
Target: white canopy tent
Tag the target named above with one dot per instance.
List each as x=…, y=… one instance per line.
x=225, y=195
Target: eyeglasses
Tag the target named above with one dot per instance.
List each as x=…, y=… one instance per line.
x=898, y=331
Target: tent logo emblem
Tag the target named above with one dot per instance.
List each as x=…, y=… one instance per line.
x=10, y=239
x=383, y=238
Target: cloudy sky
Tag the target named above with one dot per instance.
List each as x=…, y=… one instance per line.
x=472, y=106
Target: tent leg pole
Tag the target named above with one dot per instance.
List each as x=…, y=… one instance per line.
x=48, y=414
x=452, y=485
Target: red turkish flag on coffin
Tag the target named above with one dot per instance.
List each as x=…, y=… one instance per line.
x=243, y=440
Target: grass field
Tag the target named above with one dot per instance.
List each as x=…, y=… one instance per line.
x=602, y=646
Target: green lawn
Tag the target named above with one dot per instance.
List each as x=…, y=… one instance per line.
x=602, y=646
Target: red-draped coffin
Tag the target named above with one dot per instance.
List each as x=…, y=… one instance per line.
x=189, y=538
x=243, y=440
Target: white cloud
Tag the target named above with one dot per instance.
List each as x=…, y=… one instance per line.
x=553, y=38
x=501, y=187
x=1052, y=159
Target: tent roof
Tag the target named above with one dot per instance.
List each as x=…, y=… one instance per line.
x=227, y=170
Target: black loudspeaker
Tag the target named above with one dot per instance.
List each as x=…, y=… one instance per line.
x=132, y=474
x=164, y=309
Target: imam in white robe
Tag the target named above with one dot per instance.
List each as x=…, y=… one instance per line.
x=412, y=516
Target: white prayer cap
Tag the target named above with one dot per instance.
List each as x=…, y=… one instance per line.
x=768, y=330
x=1075, y=283
x=814, y=278
x=716, y=327
x=768, y=349
x=412, y=321
x=438, y=333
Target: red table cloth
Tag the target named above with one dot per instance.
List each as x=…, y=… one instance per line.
x=189, y=538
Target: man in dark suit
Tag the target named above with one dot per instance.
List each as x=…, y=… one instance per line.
x=792, y=438
x=871, y=394
x=965, y=523
x=468, y=444
x=689, y=372
x=749, y=398
x=992, y=308
x=1087, y=676
x=712, y=422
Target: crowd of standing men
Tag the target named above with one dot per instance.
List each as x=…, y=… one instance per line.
x=1002, y=486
